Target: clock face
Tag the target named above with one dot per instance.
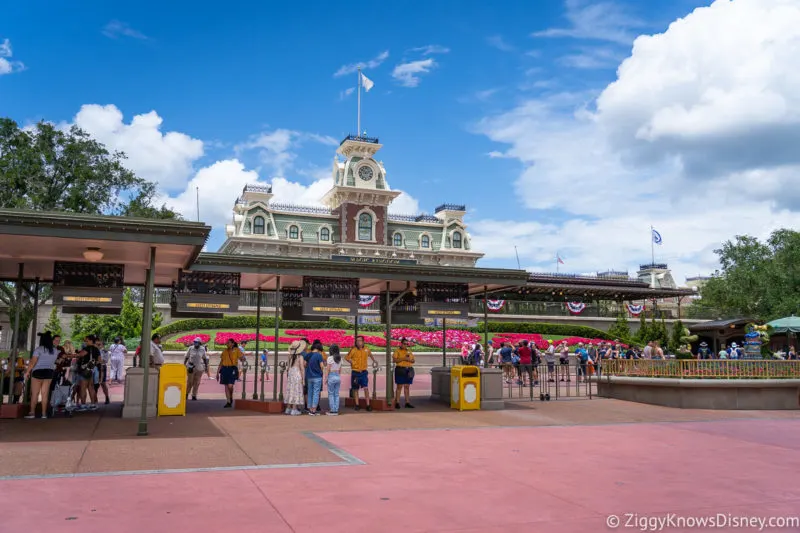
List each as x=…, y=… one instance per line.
x=365, y=173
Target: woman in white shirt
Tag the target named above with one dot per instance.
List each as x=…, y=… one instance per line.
x=41, y=370
x=334, y=379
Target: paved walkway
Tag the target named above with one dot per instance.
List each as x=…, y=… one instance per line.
x=541, y=466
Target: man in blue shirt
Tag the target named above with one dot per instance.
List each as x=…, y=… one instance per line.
x=314, y=364
x=583, y=361
x=505, y=359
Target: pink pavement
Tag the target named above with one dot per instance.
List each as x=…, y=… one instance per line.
x=551, y=479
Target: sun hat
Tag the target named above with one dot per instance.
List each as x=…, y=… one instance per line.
x=704, y=344
x=198, y=339
x=297, y=346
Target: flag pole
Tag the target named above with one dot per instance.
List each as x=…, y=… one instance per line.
x=358, y=126
x=517, y=254
x=652, y=247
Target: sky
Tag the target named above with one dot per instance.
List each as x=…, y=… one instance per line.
x=567, y=127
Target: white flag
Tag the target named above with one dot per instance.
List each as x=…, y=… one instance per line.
x=366, y=82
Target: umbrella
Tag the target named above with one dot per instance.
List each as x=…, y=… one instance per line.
x=789, y=324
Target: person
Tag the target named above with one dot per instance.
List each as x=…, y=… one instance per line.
x=404, y=373
x=550, y=358
x=156, y=355
x=583, y=361
x=334, y=369
x=359, y=377
x=477, y=355
x=228, y=369
x=294, y=379
x=506, y=354
x=792, y=355
x=306, y=357
x=525, y=363
x=315, y=369
x=196, y=362
x=734, y=352
x=465, y=353
x=723, y=352
x=265, y=363
x=118, y=352
x=564, y=361
x=41, y=371
x=490, y=353
x=658, y=352
x=704, y=352
x=87, y=360
x=101, y=370
x=648, y=351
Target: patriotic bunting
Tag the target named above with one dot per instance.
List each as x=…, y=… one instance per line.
x=495, y=305
x=576, y=308
x=366, y=301
x=635, y=310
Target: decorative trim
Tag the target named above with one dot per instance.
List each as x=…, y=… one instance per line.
x=635, y=310
x=366, y=301
x=576, y=308
x=495, y=305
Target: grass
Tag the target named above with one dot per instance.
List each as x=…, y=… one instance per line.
x=283, y=346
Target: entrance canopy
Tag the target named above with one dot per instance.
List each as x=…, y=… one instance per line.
x=789, y=324
x=260, y=272
x=39, y=239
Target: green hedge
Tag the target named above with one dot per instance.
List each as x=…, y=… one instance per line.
x=249, y=322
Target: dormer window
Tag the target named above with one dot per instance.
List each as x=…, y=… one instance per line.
x=294, y=232
x=397, y=240
x=425, y=242
x=324, y=234
x=456, y=239
x=258, y=225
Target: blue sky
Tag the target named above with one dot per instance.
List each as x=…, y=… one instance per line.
x=494, y=100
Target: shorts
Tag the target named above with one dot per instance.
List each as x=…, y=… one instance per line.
x=360, y=380
x=525, y=369
x=564, y=361
x=228, y=375
x=551, y=366
x=403, y=375
x=43, y=373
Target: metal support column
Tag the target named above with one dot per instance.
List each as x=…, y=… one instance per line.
x=389, y=389
x=277, y=329
x=486, y=319
x=258, y=352
x=147, y=329
x=35, y=322
x=444, y=342
x=12, y=359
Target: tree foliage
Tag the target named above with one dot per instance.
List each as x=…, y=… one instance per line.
x=53, y=323
x=128, y=324
x=8, y=296
x=760, y=280
x=620, y=328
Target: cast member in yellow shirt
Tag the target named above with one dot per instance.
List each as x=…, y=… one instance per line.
x=403, y=372
x=359, y=376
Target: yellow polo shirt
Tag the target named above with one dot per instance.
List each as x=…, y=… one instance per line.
x=403, y=357
x=358, y=358
x=230, y=357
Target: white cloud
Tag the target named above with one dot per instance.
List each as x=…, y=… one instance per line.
x=116, y=29
x=692, y=138
x=7, y=66
x=166, y=158
x=430, y=49
x=604, y=21
x=347, y=92
x=353, y=67
x=277, y=148
x=592, y=58
x=497, y=41
x=408, y=74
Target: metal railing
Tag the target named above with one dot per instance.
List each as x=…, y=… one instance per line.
x=703, y=368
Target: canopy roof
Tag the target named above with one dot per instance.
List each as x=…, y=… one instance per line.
x=262, y=271
x=599, y=287
x=789, y=324
x=714, y=325
x=38, y=239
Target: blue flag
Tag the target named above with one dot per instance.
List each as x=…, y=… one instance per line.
x=656, y=237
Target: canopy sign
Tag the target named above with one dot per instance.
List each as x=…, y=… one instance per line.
x=205, y=293
x=330, y=296
x=88, y=288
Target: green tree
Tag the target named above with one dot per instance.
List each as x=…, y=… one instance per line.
x=757, y=280
x=128, y=324
x=620, y=328
x=677, y=336
x=52, y=169
x=53, y=323
x=643, y=334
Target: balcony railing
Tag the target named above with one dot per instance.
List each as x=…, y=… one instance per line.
x=702, y=369
x=360, y=138
x=451, y=207
x=592, y=310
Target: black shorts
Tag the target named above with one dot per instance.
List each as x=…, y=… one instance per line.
x=564, y=361
x=43, y=373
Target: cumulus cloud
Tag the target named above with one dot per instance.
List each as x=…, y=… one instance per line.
x=363, y=65
x=277, y=148
x=7, y=66
x=166, y=158
x=408, y=74
x=692, y=138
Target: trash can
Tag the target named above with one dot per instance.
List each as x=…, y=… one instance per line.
x=172, y=390
x=465, y=388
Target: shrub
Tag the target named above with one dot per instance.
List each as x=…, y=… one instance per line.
x=232, y=322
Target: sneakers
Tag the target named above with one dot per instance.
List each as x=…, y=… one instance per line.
x=30, y=416
x=313, y=413
x=194, y=398
x=409, y=406
x=357, y=407
x=108, y=401
x=44, y=417
x=295, y=412
x=331, y=413
x=369, y=408
x=228, y=405
x=397, y=405
x=92, y=407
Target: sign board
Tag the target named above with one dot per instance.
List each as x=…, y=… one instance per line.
x=443, y=310
x=88, y=300
x=329, y=307
x=451, y=322
x=371, y=260
x=190, y=302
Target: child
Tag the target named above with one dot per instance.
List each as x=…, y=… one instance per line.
x=334, y=379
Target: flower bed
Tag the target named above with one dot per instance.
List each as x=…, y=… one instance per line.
x=337, y=336
x=433, y=339
x=186, y=340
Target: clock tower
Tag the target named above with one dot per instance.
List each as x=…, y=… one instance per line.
x=360, y=197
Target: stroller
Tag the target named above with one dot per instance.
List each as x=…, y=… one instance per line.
x=61, y=397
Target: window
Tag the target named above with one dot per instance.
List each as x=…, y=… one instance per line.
x=294, y=232
x=365, y=227
x=397, y=240
x=456, y=239
x=324, y=234
x=258, y=225
x=247, y=227
x=425, y=241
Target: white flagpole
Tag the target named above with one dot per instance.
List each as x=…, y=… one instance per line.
x=358, y=127
x=652, y=247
